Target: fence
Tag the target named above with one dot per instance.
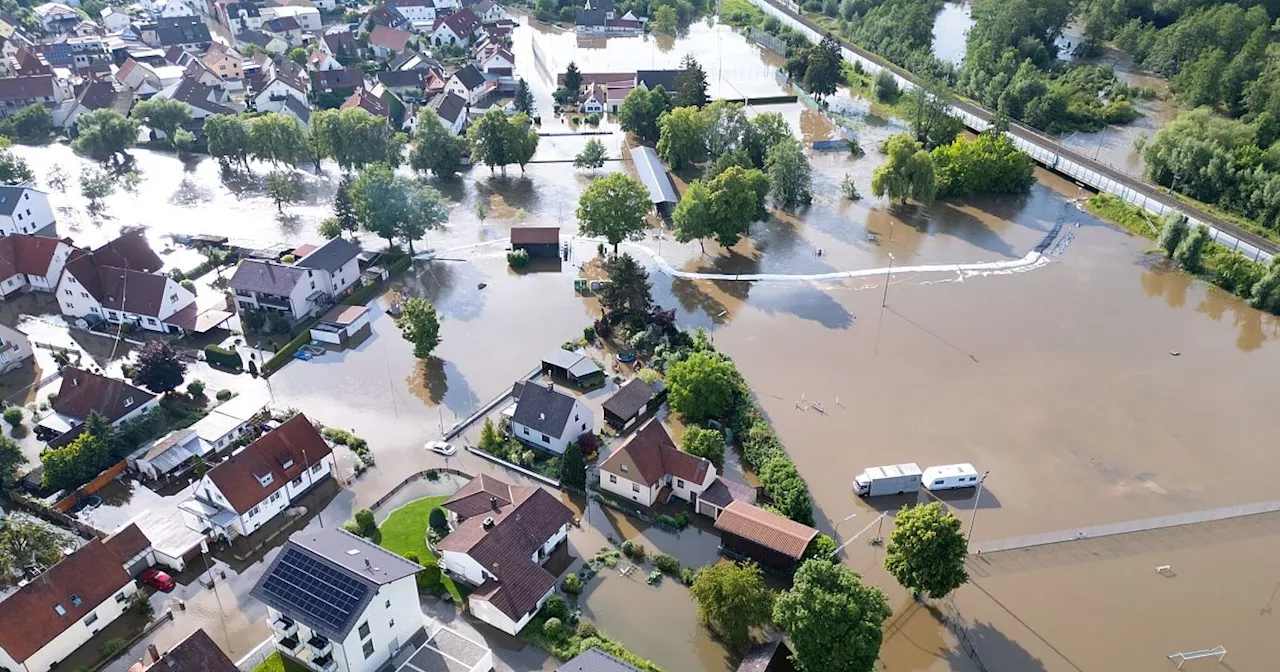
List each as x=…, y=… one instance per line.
x=256, y=657
x=100, y=481
x=513, y=466
x=770, y=42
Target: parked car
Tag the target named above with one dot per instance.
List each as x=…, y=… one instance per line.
x=158, y=580
x=442, y=447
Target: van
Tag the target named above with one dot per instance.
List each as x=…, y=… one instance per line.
x=950, y=477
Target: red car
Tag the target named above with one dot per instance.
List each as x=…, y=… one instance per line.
x=158, y=580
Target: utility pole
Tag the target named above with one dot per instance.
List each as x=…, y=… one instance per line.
x=888, y=275
x=973, y=518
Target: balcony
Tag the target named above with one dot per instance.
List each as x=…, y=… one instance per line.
x=320, y=647
x=323, y=663
x=288, y=644
x=272, y=301
x=284, y=626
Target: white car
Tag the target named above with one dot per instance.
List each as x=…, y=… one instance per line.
x=443, y=447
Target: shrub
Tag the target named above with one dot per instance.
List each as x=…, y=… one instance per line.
x=518, y=258
x=589, y=333
x=628, y=548
x=593, y=119
x=667, y=564
x=288, y=259
x=654, y=577
x=437, y=519
x=572, y=584
x=223, y=395
x=223, y=357
x=553, y=628
x=848, y=189
x=188, y=285
x=576, y=120
x=886, y=86
x=113, y=646
x=638, y=553
x=195, y=388
x=687, y=575
x=555, y=607
x=587, y=629
x=13, y=416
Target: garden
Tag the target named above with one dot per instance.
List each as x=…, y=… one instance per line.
x=405, y=531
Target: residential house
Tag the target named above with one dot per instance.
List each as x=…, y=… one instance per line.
x=385, y=42
x=596, y=21
x=337, y=264
x=230, y=420
x=650, y=79
x=132, y=547
x=15, y=349
x=501, y=536
x=263, y=41
x=264, y=285
x=91, y=288
x=204, y=100
x=188, y=32
x=25, y=210
x=45, y=620
x=560, y=363
x=548, y=419
x=19, y=92
x=82, y=392
x=89, y=54
x=115, y=19
x=253, y=486
x=197, y=653
x=339, y=82
x=180, y=8
x=596, y=99
x=497, y=60
x=415, y=10
x=771, y=656
x=540, y=242
x=635, y=400
x=384, y=15
x=56, y=17
x=130, y=250
x=595, y=660
x=489, y=11
x=459, y=28
x=452, y=110
x=341, y=44
x=470, y=84
x=139, y=78
x=197, y=70
x=28, y=63
x=648, y=464
x=31, y=263
x=239, y=16
x=308, y=18
x=320, y=60
x=222, y=60
x=762, y=535
x=407, y=84
x=96, y=94
x=721, y=493
x=366, y=100
x=339, y=601
x=285, y=28
x=285, y=92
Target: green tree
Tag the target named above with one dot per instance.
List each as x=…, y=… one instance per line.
x=787, y=489
x=27, y=545
x=75, y=464
x=420, y=326
x=93, y=8
x=165, y=115
x=640, y=111
x=330, y=228
x=613, y=207
x=344, y=210
x=886, y=84
x=763, y=132
x=988, y=164
x=665, y=20
x=228, y=138
x=32, y=124
x=159, y=368
x=1190, y=252
x=354, y=138
x=425, y=210
x=706, y=443
x=732, y=599
x=822, y=547
x=104, y=135
x=11, y=460
x=834, y=621
x=391, y=206
x=298, y=55
x=691, y=82
x=1172, y=231
x=438, y=520
x=908, y=172
x=926, y=551
x=703, y=386
x=490, y=440
x=681, y=137
x=726, y=127
x=497, y=141
x=573, y=79
x=593, y=155
x=95, y=185
x=573, y=467
x=722, y=208
x=930, y=114
x=524, y=97
x=628, y=288
x=13, y=168
x=282, y=188
x=277, y=138
x=824, y=72
x=695, y=215
x=522, y=140
x=790, y=175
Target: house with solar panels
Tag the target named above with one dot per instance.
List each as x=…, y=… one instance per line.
x=338, y=603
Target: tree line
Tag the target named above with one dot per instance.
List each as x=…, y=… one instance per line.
x=987, y=164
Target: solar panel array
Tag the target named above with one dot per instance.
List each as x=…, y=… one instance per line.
x=324, y=597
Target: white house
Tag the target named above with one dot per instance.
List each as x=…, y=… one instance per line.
x=25, y=210
x=597, y=98
x=274, y=97
x=501, y=536
x=452, y=110
x=415, y=10
x=31, y=263
x=648, y=463
x=240, y=495
x=489, y=11
x=339, y=602
x=53, y=13
x=265, y=285
x=229, y=420
x=547, y=418
x=15, y=349
x=44, y=621
x=386, y=42
x=115, y=19
x=320, y=60
x=308, y=18
x=470, y=84
x=338, y=264
x=459, y=28
x=82, y=392
x=93, y=288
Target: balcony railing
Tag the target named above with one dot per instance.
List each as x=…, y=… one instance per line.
x=320, y=646
x=290, y=644
x=284, y=626
x=323, y=663
x=274, y=301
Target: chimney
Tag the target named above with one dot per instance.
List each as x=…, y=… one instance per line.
x=488, y=523
x=551, y=387
x=493, y=503
x=154, y=652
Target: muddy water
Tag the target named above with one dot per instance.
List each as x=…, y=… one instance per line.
x=949, y=30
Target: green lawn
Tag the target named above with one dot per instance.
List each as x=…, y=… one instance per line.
x=405, y=532
x=277, y=663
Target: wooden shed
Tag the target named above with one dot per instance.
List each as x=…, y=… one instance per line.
x=763, y=535
x=541, y=242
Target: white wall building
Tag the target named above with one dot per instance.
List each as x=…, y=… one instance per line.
x=307, y=17
x=90, y=288
x=31, y=263
x=15, y=349
x=649, y=461
x=339, y=602
x=25, y=210
x=549, y=419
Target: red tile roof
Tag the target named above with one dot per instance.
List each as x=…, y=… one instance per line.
x=29, y=619
x=128, y=542
x=132, y=251
x=82, y=391
x=117, y=288
x=21, y=253
x=535, y=235
x=22, y=88
x=365, y=100
x=649, y=454
x=297, y=440
x=389, y=38
x=766, y=528
x=475, y=498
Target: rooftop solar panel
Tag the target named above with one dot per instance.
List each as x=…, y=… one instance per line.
x=320, y=596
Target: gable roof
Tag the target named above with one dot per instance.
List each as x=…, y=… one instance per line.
x=238, y=477
x=365, y=100
x=463, y=23
x=342, y=42
x=254, y=275
x=595, y=660
x=533, y=235
x=20, y=88
x=772, y=656
x=298, y=108
x=470, y=77
x=766, y=528
x=281, y=24
x=630, y=398
x=449, y=106
x=79, y=583
x=196, y=653
x=331, y=256
x=27, y=254
x=722, y=491
x=196, y=94
x=10, y=196
x=117, y=288
x=128, y=542
x=347, y=78
x=389, y=38
x=98, y=94
x=403, y=78
x=543, y=409
x=130, y=250
x=171, y=30
x=649, y=454
x=478, y=495
x=576, y=364
x=83, y=391
x=654, y=78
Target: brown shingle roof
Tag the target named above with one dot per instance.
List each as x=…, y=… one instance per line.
x=22, y=88
x=365, y=100
x=649, y=454
x=630, y=398
x=196, y=653
x=117, y=288
x=473, y=499
x=237, y=478
x=28, y=618
x=535, y=235
x=389, y=38
x=22, y=253
x=82, y=392
x=722, y=491
x=128, y=542
x=766, y=528
x=130, y=250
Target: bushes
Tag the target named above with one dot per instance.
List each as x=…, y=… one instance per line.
x=286, y=353
x=787, y=489
x=223, y=357
x=593, y=119
x=634, y=551
x=553, y=628
x=223, y=395
x=555, y=607
x=886, y=86
x=572, y=584
x=676, y=522
x=13, y=416
x=518, y=258
x=587, y=629
x=687, y=576
x=655, y=577
x=195, y=388
x=438, y=521
x=667, y=564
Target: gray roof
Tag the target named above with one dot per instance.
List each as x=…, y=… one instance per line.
x=268, y=278
x=331, y=256
x=356, y=554
x=630, y=398
x=470, y=77
x=449, y=106
x=595, y=660
x=653, y=78
x=543, y=410
x=9, y=197
x=578, y=365
x=182, y=30
x=298, y=108
x=722, y=491
x=653, y=175
x=773, y=656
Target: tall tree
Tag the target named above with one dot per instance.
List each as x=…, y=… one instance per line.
x=835, y=622
x=420, y=326
x=524, y=97
x=790, y=176
x=613, y=207
x=763, y=132
x=723, y=207
x=732, y=599
x=705, y=443
x=277, y=138
x=926, y=551
x=228, y=140
x=11, y=460
x=436, y=148
x=703, y=386
x=682, y=137
x=490, y=138
x=426, y=211
x=344, y=210
x=159, y=368
x=930, y=116
x=354, y=138
x=13, y=168
x=32, y=124
x=908, y=172
x=824, y=71
x=163, y=114
x=641, y=110
x=628, y=288
x=691, y=84
x=522, y=140
x=726, y=127
x=666, y=20
x=1190, y=252
x=593, y=155
x=695, y=215
x=573, y=467
x=573, y=79
x=282, y=188
x=30, y=545
x=393, y=206
x=105, y=135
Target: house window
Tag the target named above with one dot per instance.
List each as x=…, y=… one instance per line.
x=297, y=482
x=287, y=463
x=253, y=511
x=61, y=611
x=545, y=439
x=84, y=295
x=274, y=496
x=613, y=479
x=315, y=468
x=120, y=597
x=75, y=600
x=526, y=429
x=91, y=619
x=679, y=483
x=392, y=624
x=173, y=297
x=635, y=487
x=67, y=291
x=364, y=630
x=584, y=426
x=388, y=604
x=368, y=649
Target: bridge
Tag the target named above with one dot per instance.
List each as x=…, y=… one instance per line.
x=1048, y=152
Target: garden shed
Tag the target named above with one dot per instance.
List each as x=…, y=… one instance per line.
x=540, y=242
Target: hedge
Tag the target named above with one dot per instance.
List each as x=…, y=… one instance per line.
x=223, y=357
x=283, y=356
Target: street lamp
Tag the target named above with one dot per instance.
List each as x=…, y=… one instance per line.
x=713, y=324
x=974, y=517
x=887, y=277
x=836, y=529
